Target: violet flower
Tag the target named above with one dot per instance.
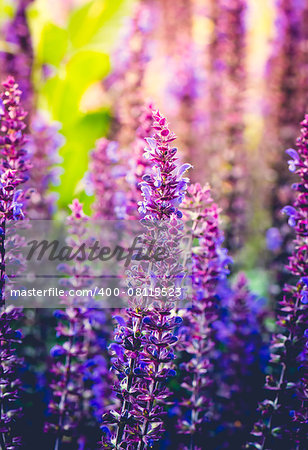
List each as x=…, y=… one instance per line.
x=70, y=354
x=209, y=267
x=239, y=357
x=139, y=165
x=81, y=384
x=19, y=61
x=132, y=120
x=286, y=89
x=14, y=172
x=214, y=89
x=127, y=77
x=163, y=191
x=104, y=177
x=177, y=25
x=284, y=414
x=143, y=352
x=286, y=94
x=223, y=124
x=236, y=182
x=43, y=147
x=183, y=91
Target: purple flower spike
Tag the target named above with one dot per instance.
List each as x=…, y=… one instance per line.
x=163, y=190
x=14, y=167
x=104, y=174
x=284, y=413
x=19, y=62
x=209, y=268
x=285, y=105
x=43, y=147
x=146, y=336
x=80, y=378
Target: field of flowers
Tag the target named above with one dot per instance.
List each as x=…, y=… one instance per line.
x=188, y=119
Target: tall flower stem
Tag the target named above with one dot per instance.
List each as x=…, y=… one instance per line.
x=209, y=265
x=284, y=414
x=14, y=167
x=144, y=339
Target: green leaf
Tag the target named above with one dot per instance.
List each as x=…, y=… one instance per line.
x=258, y=281
x=53, y=44
x=87, y=66
x=86, y=21
x=80, y=139
x=63, y=92
x=98, y=23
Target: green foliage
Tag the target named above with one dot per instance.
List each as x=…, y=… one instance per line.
x=258, y=281
x=6, y=10
x=87, y=24
x=77, y=55
x=53, y=45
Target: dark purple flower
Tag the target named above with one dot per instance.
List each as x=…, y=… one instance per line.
x=13, y=168
x=285, y=105
x=145, y=335
x=81, y=383
x=284, y=412
x=209, y=268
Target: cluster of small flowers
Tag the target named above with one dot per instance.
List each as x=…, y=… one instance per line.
x=235, y=185
x=287, y=91
x=163, y=190
x=239, y=356
x=18, y=60
x=209, y=268
x=128, y=77
x=284, y=415
x=144, y=339
x=73, y=330
x=43, y=145
x=183, y=77
x=14, y=172
x=104, y=174
x=143, y=352
x=139, y=166
x=14, y=164
x=81, y=382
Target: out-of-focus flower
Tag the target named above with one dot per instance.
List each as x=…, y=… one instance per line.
x=235, y=171
x=68, y=357
x=103, y=179
x=19, y=61
x=239, y=358
x=139, y=165
x=273, y=239
x=126, y=79
x=43, y=147
x=285, y=104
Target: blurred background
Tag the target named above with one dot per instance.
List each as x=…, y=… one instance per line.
x=231, y=76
